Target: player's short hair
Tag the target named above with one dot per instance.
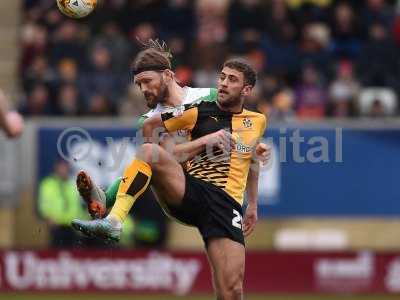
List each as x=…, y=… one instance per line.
x=154, y=57
x=241, y=65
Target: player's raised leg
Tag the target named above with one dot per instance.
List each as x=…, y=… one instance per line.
x=227, y=260
x=154, y=164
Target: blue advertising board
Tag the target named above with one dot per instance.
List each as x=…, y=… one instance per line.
x=313, y=172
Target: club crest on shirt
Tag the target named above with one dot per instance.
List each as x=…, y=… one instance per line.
x=247, y=123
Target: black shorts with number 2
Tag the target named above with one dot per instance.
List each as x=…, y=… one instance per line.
x=211, y=210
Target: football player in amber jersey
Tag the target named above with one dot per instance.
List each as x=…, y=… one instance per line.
x=209, y=195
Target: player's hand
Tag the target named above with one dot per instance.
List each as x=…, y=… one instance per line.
x=250, y=219
x=221, y=139
x=263, y=153
x=14, y=124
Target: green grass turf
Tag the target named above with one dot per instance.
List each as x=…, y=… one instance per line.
x=25, y=296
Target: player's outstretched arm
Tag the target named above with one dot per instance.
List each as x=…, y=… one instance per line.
x=251, y=216
x=262, y=155
x=183, y=152
x=3, y=112
x=10, y=121
x=221, y=139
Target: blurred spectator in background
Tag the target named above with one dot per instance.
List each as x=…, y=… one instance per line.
x=142, y=32
x=179, y=49
x=283, y=106
x=377, y=109
x=314, y=48
x=206, y=76
x=110, y=11
x=270, y=86
x=39, y=72
x=52, y=19
x=100, y=84
x=141, y=12
x=396, y=24
x=343, y=90
x=180, y=17
x=112, y=39
x=346, y=40
x=68, y=101
x=377, y=11
x=99, y=105
x=211, y=31
x=246, y=22
x=38, y=102
x=58, y=204
x=34, y=40
x=378, y=63
x=280, y=42
x=281, y=36
x=67, y=72
x=206, y=65
x=310, y=95
x=277, y=16
x=67, y=44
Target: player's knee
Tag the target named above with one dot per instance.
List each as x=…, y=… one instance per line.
x=232, y=287
x=234, y=293
x=149, y=153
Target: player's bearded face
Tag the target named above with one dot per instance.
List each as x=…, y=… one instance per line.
x=153, y=87
x=230, y=87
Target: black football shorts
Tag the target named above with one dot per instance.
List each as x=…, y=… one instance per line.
x=210, y=209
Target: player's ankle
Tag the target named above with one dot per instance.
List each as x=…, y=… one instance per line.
x=115, y=221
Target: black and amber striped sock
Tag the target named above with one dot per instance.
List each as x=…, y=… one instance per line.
x=134, y=182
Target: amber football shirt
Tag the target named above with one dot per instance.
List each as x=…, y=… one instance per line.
x=226, y=172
